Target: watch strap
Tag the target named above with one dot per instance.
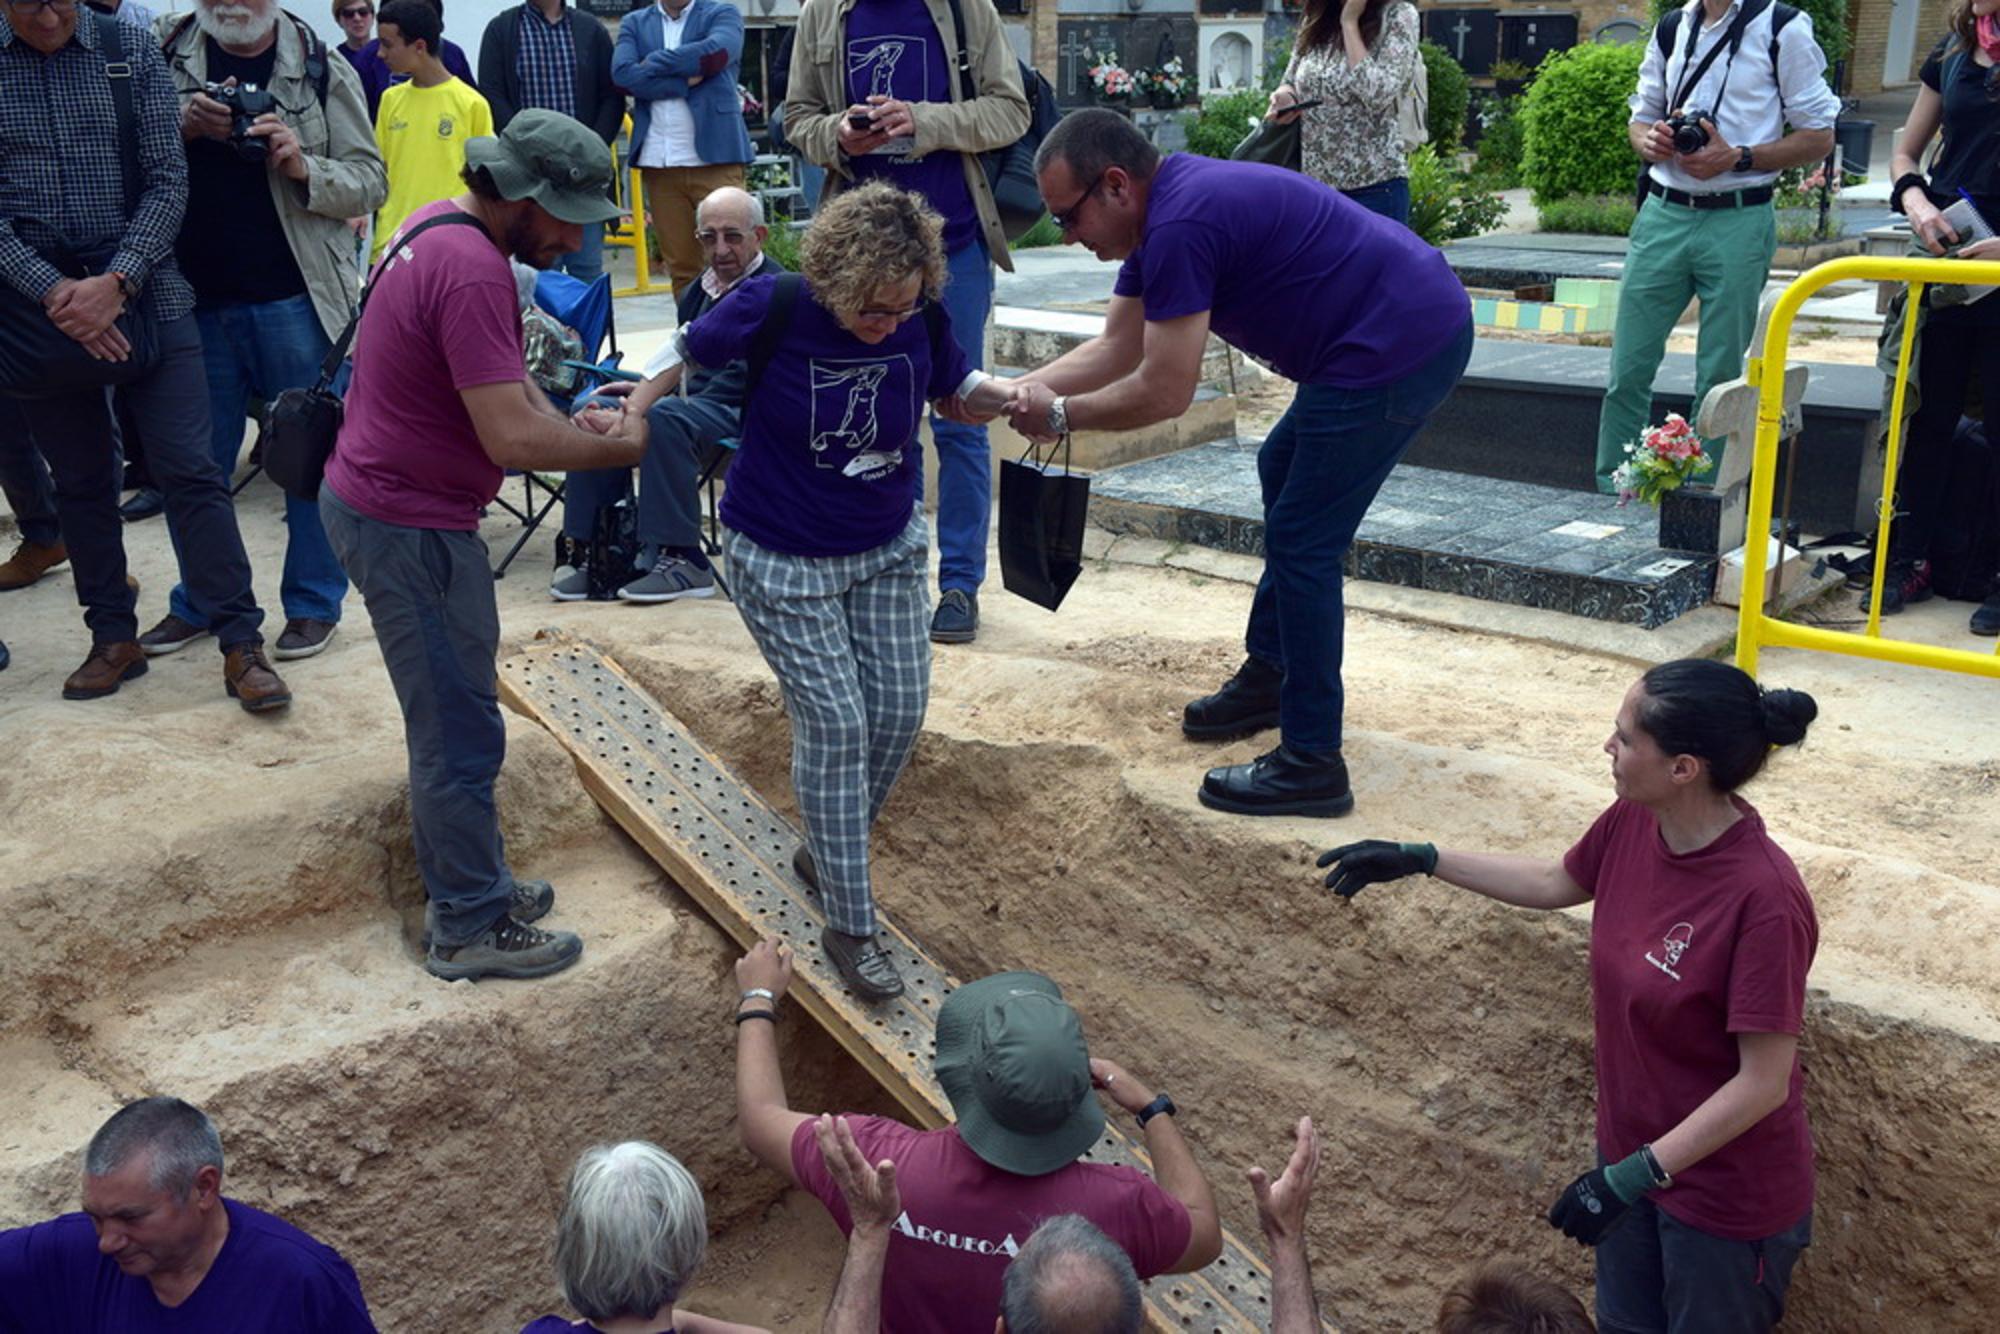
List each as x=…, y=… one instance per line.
x=1746, y=159
x=1661, y=1178
x=1160, y=1104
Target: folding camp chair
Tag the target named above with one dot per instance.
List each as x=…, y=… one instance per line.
x=586, y=308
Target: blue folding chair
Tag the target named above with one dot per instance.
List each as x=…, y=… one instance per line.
x=586, y=308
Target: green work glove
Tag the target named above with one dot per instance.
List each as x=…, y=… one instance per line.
x=1374, y=861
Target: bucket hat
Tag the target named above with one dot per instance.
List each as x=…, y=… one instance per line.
x=553, y=159
x=1011, y=1057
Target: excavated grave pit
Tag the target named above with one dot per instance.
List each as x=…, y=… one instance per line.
x=226, y=909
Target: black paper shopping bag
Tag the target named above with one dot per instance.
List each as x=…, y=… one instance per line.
x=1042, y=511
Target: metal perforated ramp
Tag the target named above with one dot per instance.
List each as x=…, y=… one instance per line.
x=732, y=854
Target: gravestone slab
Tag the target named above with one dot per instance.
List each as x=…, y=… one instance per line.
x=1472, y=36
x=1079, y=44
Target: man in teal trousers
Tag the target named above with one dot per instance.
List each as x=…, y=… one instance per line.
x=1737, y=73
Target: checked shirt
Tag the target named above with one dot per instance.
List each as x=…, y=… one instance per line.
x=547, y=58
x=59, y=180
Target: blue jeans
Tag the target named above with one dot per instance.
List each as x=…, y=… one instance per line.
x=172, y=402
x=679, y=434
x=429, y=595
x=260, y=350
x=586, y=264
x=24, y=479
x=1657, y=1275
x=1390, y=198
x=965, y=470
x=1320, y=468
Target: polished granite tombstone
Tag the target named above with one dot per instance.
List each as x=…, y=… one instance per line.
x=1527, y=411
x=1487, y=538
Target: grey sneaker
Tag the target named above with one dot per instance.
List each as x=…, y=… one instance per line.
x=508, y=949
x=671, y=578
x=303, y=638
x=171, y=635
x=531, y=902
x=572, y=584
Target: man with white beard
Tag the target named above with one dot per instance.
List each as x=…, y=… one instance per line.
x=280, y=154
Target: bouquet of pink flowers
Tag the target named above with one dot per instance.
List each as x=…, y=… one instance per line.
x=1110, y=80
x=1662, y=460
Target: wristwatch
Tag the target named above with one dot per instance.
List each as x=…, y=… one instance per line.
x=1059, y=416
x=1745, y=159
x=1158, y=1105
x=126, y=287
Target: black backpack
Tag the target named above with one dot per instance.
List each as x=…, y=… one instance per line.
x=1010, y=171
x=1670, y=23
x=778, y=318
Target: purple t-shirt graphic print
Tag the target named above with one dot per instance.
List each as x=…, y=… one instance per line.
x=894, y=50
x=828, y=461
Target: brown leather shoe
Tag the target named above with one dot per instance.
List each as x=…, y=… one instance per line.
x=108, y=667
x=251, y=682
x=30, y=561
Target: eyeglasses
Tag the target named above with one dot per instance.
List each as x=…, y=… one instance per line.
x=710, y=238
x=1066, y=220
x=29, y=8
x=362, y=13
x=869, y=313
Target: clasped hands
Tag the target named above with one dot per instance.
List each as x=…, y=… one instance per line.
x=87, y=309
x=1025, y=402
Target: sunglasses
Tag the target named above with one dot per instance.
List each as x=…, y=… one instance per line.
x=363, y=13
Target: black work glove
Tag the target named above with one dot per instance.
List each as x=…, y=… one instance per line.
x=1588, y=1208
x=1373, y=861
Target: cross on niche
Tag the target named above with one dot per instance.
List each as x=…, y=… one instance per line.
x=1459, y=30
x=1074, y=54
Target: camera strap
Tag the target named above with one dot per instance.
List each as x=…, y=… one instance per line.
x=1734, y=39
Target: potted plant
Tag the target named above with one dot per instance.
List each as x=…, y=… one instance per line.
x=1167, y=86
x=1510, y=77
x=1111, y=83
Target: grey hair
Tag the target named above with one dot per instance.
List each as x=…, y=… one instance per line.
x=730, y=194
x=1070, y=1279
x=178, y=1134
x=632, y=1233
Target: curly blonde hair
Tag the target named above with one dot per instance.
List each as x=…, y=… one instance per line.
x=868, y=237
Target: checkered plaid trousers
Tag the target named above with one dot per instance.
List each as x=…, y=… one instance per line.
x=849, y=640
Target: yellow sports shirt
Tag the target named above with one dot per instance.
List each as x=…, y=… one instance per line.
x=422, y=134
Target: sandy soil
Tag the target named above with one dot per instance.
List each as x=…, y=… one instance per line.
x=225, y=907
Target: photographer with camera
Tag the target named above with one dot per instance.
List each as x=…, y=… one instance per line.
x=280, y=154
x=1720, y=81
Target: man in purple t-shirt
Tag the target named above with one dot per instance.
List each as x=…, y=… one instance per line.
x=157, y=1249
x=1012, y=1060
x=1366, y=317
x=439, y=406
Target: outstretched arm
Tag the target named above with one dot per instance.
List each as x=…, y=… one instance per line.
x=763, y=1117
x=1525, y=882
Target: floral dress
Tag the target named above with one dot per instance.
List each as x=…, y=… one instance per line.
x=1353, y=141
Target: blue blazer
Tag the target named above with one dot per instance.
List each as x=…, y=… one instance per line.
x=650, y=74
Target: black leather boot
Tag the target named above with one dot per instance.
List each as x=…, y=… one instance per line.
x=1247, y=702
x=1281, y=782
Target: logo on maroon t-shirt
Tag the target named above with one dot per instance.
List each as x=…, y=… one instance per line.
x=1674, y=944
x=957, y=1241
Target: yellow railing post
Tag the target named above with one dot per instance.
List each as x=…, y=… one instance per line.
x=1755, y=627
x=634, y=234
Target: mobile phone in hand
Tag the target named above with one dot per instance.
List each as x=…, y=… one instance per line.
x=1307, y=105
x=860, y=122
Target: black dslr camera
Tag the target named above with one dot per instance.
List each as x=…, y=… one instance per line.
x=1689, y=137
x=246, y=102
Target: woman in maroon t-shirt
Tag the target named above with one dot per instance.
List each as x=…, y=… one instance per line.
x=1701, y=934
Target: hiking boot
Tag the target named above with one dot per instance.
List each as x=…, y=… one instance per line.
x=108, y=667
x=171, y=635
x=1986, y=617
x=1247, y=702
x=864, y=965
x=804, y=869
x=1907, y=581
x=507, y=949
x=530, y=902
x=1280, y=782
x=304, y=637
x=250, y=681
x=30, y=561
x=671, y=578
x=571, y=584
x=956, y=620
x=146, y=503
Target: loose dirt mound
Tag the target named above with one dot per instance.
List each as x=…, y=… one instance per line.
x=225, y=907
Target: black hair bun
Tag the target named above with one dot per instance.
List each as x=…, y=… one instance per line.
x=1787, y=714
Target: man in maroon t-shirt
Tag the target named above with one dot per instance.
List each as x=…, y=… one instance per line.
x=1012, y=1060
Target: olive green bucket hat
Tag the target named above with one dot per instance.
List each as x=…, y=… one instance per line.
x=553, y=159
x=1011, y=1057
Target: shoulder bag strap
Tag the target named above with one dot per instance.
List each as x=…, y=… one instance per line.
x=336, y=354
x=771, y=332
x=965, y=81
x=118, y=73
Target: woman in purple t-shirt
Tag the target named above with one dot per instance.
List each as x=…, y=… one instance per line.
x=823, y=527
x=1701, y=934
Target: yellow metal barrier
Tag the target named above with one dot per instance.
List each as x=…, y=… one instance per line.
x=1755, y=629
x=633, y=233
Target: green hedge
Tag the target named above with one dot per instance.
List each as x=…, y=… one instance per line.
x=1573, y=122
x=1829, y=21
x=1222, y=121
x=1448, y=93
x=1595, y=215
x=1445, y=205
